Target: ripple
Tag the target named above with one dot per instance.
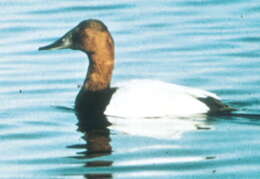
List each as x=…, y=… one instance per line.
x=206, y=44
x=83, y=8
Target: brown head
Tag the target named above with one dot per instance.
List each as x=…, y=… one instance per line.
x=90, y=36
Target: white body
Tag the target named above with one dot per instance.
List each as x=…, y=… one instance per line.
x=151, y=98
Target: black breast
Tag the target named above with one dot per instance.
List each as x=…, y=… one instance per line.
x=90, y=107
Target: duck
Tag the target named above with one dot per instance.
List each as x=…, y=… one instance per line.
x=142, y=98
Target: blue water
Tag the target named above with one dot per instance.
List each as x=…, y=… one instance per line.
x=209, y=44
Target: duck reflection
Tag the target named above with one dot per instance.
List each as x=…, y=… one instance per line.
x=97, y=143
x=94, y=127
x=162, y=127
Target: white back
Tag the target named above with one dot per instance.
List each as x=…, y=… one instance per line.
x=152, y=98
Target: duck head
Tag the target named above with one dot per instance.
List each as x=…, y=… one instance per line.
x=93, y=38
x=90, y=36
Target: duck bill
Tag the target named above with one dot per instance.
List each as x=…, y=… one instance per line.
x=62, y=43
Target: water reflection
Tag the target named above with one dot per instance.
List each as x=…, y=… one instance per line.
x=161, y=128
x=97, y=137
x=96, y=129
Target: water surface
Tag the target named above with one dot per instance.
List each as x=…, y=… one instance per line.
x=213, y=45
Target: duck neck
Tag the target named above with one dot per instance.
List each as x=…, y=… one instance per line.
x=100, y=70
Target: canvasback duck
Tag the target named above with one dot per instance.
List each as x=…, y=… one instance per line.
x=134, y=98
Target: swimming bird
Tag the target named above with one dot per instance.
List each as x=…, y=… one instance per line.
x=135, y=98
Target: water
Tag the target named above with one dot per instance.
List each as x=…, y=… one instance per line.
x=213, y=45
